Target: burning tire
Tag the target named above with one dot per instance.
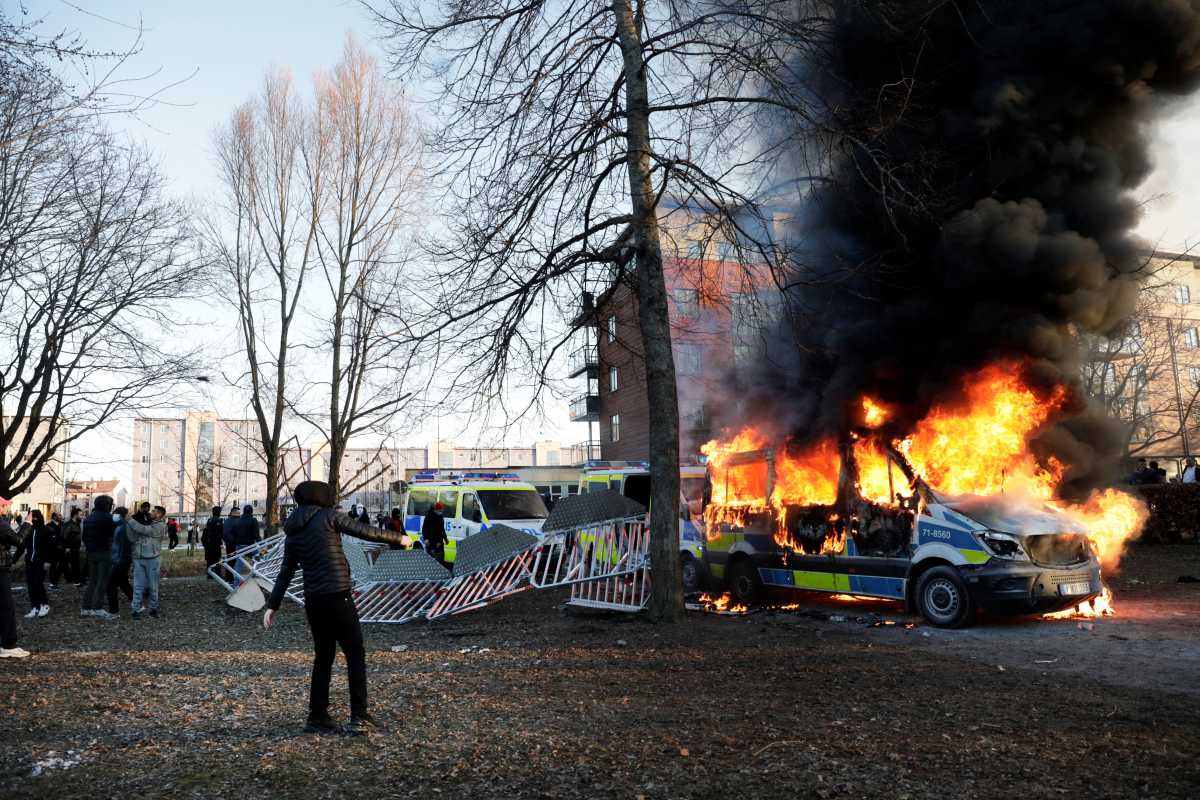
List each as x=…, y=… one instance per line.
x=744, y=582
x=943, y=598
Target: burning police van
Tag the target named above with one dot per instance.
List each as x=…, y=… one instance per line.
x=944, y=556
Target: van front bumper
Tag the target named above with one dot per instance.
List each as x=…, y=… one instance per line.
x=1002, y=587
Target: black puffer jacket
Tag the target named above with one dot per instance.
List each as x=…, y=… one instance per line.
x=314, y=544
x=8, y=538
x=98, y=530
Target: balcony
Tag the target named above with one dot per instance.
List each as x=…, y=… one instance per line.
x=583, y=452
x=585, y=408
x=584, y=359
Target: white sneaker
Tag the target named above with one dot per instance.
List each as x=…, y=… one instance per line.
x=13, y=652
x=87, y=612
x=43, y=611
x=33, y=612
x=107, y=614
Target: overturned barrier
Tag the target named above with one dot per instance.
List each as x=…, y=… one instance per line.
x=401, y=587
x=489, y=566
x=596, y=544
x=599, y=545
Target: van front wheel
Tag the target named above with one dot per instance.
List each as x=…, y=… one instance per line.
x=689, y=568
x=943, y=598
x=744, y=583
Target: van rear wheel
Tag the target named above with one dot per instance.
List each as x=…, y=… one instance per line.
x=745, y=585
x=943, y=598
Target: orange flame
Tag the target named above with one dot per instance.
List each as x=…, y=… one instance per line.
x=874, y=414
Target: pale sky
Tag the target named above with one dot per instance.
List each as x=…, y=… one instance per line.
x=223, y=48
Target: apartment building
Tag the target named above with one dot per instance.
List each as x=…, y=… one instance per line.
x=45, y=493
x=189, y=464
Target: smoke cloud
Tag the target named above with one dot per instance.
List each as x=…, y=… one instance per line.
x=980, y=205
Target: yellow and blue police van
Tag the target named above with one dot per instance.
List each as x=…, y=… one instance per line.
x=632, y=479
x=473, y=501
x=945, y=556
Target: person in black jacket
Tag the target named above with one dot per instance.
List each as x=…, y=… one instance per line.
x=55, y=530
x=212, y=539
x=38, y=551
x=314, y=544
x=8, y=610
x=433, y=532
x=98, y=528
x=72, y=541
x=247, y=531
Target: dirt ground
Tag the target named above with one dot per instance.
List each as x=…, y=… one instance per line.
x=525, y=700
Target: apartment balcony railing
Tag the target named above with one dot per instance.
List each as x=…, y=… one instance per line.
x=583, y=452
x=584, y=359
x=585, y=408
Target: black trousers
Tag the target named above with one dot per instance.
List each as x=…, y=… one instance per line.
x=334, y=622
x=211, y=556
x=71, y=569
x=118, y=580
x=8, y=611
x=35, y=579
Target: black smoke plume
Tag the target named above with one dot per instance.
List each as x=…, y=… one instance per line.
x=979, y=206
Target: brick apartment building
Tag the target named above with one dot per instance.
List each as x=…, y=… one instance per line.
x=719, y=305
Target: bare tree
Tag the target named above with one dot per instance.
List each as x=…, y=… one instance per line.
x=99, y=86
x=1148, y=375
x=91, y=255
x=264, y=240
x=370, y=182
x=564, y=125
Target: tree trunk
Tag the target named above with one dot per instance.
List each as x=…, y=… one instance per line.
x=272, y=499
x=666, y=599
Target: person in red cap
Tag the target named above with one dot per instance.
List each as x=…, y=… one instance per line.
x=313, y=543
x=433, y=533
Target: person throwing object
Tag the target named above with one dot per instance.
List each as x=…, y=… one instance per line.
x=313, y=543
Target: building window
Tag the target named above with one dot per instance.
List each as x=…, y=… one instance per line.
x=1183, y=294
x=726, y=251
x=613, y=381
x=162, y=444
x=614, y=428
x=695, y=250
x=687, y=302
x=611, y=325
x=687, y=359
x=1190, y=338
x=1194, y=373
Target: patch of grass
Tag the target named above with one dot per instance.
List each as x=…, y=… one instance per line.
x=178, y=564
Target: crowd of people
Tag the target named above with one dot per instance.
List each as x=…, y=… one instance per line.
x=119, y=545
x=1149, y=473
x=107, y=553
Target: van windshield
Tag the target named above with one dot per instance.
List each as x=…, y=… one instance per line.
x=512, y=504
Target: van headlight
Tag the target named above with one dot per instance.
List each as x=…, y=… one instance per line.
x=1002, y=545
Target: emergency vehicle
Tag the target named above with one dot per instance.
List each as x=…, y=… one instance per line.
x=473, y=502
x=632, y=479
x=944, y=556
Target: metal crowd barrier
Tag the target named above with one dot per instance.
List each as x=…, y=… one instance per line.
x=591, y=553
x=401, y=587
x=597, y=544
x=490, y=565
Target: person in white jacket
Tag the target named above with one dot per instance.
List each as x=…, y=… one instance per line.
x=1189, y=471
x=146, y=534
